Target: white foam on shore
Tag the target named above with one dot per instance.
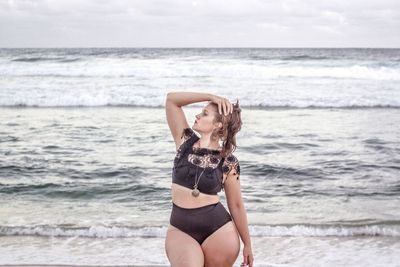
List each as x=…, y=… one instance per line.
x=154, y=231
x=267, y=251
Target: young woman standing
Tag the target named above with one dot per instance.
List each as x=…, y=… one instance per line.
x=201, y=231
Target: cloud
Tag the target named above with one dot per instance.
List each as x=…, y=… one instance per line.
x=177, y=23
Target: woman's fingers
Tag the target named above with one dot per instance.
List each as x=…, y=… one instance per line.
x=244, y=263
x=225, y=108
x=224, y=105
x=221, y=107
x=229, y=107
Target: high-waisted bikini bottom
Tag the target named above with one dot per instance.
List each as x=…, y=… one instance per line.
x=200, y=222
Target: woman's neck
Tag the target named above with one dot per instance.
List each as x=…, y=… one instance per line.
x=208, y=145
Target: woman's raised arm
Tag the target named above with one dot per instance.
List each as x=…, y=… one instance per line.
x=175, y=116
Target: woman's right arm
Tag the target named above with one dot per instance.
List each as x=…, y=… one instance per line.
x=175, y=116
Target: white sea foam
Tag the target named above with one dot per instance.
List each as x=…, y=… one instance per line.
x=122, y=79
x=255, y=230
x=267, y=251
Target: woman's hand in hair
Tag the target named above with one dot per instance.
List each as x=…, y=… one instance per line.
x=223, y=104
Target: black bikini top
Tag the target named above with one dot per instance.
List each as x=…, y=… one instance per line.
x=189, y=158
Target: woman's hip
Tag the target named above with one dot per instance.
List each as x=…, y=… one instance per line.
x=206, y=216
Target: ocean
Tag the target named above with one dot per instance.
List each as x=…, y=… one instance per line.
x=86, y=153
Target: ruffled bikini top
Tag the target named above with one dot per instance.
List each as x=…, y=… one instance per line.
x=189, y=158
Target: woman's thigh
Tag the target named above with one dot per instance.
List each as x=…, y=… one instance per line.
x=222, y=247
x=182, y=249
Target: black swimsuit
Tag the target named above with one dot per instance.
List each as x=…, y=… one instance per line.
x=200, y=222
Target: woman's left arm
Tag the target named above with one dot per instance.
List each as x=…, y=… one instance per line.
x=238, y=212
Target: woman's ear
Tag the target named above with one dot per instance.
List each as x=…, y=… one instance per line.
x=218, y=125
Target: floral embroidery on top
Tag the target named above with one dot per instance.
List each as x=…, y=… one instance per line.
x=231, y=163
x=204, y=157
x=210, y=161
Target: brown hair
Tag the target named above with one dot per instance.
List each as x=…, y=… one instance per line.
x=231, y=125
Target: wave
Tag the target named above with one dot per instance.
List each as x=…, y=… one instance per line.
x=372, y=106
x=384, y=228
x=81, y=190
x=380, y=71
x=289, y=58
x=260, y=106
x=374, y=229
x=38, y=59
x=304, y=57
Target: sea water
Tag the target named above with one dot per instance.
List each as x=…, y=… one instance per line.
x=86, y=153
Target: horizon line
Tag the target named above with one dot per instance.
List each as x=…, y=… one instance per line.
x=210, y=47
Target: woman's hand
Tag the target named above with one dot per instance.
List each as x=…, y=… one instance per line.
x=248, y=256
x=223, y=104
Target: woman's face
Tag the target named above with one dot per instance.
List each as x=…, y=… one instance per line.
x=204, y=120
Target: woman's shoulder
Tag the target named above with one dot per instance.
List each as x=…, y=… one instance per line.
x=187, y=137
x=187, y=132
x=231, y=162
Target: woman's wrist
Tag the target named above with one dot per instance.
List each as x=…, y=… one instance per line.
x=247, y=244
x=185, y=98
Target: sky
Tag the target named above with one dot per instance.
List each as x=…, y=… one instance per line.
x=200, y=23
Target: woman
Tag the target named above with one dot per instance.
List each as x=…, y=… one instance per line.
x=201, y=231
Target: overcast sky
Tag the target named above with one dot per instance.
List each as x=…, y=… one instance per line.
x=200, y=23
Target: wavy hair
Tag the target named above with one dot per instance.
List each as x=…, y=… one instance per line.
x=231, y=125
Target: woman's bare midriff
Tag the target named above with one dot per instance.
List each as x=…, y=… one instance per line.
x=182, y=196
